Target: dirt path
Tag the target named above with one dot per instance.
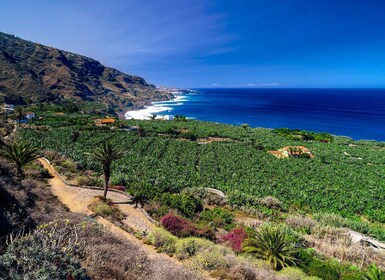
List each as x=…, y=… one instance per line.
x=77, y=200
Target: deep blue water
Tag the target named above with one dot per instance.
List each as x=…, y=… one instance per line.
x=357, y=113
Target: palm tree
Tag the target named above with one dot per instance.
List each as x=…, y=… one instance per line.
x=19, y=113
x=105, y=155
x=20, y=153
x=245, y=125
x=272, y=244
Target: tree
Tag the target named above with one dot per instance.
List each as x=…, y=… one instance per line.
x=273, y=245
x=141, y=131
x=19, y=110
x=105, y=155
x=245, y=125
x=20, y=153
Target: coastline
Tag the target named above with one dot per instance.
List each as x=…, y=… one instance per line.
x=320, y=110
x=159, y=108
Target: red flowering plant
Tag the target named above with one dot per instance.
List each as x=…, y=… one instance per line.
x=177, y=225
x=235, y=238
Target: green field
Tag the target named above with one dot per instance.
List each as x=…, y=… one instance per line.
x=345, y=176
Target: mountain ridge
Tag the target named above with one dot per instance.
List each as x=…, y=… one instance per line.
x=33, y=73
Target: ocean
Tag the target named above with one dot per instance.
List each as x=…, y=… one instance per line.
x=356, y=113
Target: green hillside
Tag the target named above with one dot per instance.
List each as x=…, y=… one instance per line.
x=345, y=176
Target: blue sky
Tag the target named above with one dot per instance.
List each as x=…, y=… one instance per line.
x=203, y=43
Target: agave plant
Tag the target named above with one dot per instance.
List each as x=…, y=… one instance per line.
x=20, y=153
x=273, y=245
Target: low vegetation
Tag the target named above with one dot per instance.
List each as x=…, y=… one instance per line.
x=275, y=222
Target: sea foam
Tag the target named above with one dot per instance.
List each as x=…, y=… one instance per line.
x=158, y=108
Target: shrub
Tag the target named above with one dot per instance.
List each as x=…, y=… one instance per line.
x=235, y=238
x=103, y=208
x=273, y=245
x=210, y=260
x=84, y=181
x=156, y=210
x=351, y=276
x=330, y=219
x=301, y=223
x=324, y=269
x=200, y=193
x=189, y=247
x=271, y=202
x=186, y=204
x=242, y=272
x=177, y=225
x=162, y=240
x=293, y=273
x=68, y=165
x=218, y=217
x=47, y=253
x=332, y=234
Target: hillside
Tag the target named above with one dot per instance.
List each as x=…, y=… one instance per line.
x=30, y=72
x=310, y=190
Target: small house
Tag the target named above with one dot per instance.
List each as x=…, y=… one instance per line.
x=9, y=108
x=104, y=122
x=30, y=115
x=168, y=117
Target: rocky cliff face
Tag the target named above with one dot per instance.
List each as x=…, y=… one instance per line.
x=31, y=72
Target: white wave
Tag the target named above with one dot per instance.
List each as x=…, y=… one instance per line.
x=156, y=108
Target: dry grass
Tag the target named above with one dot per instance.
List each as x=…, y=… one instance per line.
x=104, y=255
x=358, y=254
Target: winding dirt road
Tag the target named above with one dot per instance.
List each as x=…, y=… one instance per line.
x=77, y=199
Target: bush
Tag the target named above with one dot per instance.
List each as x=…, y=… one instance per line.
x=156, y=210
x=186, y=204
x=242, y=272
x=200, y=193
x=235, y=238
x=162, y=240
x=47, y=253
x=177, y=225
x=271, y=202
x=102, y=207
x=330, y=219
x=293, y=273
x=218, y=217
x=301, y=223
x=210, y=260
x=84, y=181
x=324, y=269
x=189, y=247
x=332, y=234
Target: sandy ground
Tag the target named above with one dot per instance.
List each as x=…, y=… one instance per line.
x=77, y=200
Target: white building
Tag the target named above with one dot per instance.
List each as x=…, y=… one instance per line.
x=30, y=115
x=9, y=108
x=168, y=117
